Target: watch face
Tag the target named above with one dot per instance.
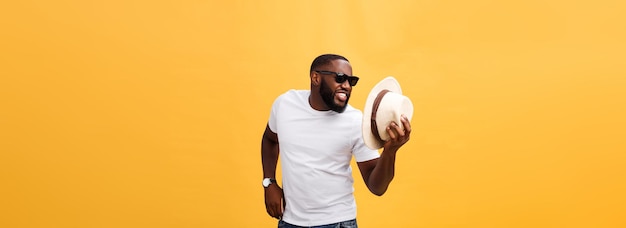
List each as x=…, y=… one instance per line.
x=266, y=182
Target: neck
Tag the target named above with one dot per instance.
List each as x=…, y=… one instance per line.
x=317, y=103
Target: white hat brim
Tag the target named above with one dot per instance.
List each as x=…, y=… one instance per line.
x=388, y=83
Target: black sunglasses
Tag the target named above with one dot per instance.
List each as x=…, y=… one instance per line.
x=341, y=77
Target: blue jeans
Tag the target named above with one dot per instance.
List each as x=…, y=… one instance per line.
x=344, y=224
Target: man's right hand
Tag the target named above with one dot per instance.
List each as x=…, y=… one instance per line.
x=274, y=201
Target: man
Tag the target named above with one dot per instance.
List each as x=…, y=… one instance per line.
x=317, y=132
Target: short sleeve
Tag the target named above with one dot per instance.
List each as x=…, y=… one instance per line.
x=360, y=151
x=363, y=153
x=273, y=115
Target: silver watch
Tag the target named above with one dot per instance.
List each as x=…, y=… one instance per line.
x=267, y=181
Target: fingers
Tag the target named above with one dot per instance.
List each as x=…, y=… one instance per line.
x=282, y=208
x=275, y=210
x=282, y=205
x=274, y=201
x=399, y=135
x=279, y=211
x=394, y=131
x=271, y=209
x=391, y=133
x=406, y=124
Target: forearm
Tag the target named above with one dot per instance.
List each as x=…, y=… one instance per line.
x=274, y=203
x=269, y=157
x=383, y=173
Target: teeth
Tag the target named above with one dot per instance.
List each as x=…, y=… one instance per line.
x=341, y=94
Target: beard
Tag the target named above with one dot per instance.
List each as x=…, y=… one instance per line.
x=328, y=96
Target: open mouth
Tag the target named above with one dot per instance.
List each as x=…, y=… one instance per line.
x=341, y=96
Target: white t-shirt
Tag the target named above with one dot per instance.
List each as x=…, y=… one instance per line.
x=316, y=148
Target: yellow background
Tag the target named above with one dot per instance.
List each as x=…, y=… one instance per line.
x=150, y=113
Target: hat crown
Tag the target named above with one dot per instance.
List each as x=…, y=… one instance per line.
x=385, y=104
x=390, y=109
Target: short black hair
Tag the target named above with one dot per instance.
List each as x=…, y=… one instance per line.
x=325, y=59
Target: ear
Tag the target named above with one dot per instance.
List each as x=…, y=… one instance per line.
x=315, y=78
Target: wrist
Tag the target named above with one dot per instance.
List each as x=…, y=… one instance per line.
x=268, y=181
x=391, y=150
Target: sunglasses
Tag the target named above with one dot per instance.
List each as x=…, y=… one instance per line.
x=340, y=77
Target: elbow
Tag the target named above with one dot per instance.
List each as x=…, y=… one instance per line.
x=379, y=188
x=378, y=192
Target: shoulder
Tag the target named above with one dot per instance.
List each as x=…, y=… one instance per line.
x=292, y=97
x=294, y=94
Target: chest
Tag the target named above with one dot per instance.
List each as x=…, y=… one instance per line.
x=316, y=138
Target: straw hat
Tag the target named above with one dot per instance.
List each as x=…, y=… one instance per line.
x=386, y=104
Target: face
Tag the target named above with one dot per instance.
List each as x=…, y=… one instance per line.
x=336, y=95
x=335, y=100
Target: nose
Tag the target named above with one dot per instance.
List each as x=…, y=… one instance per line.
x=346, y=85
